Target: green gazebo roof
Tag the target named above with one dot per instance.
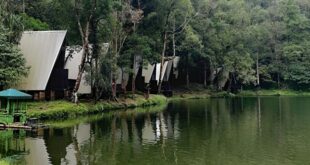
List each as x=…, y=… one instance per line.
x=14, y=94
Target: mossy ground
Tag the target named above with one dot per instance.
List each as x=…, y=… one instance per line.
x=64, y=109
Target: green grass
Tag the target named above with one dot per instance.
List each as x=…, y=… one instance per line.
x=205, y=93
x=65, y=109
x=190, y=96
x=4, y=162
x=64, y=123
x=274, y=92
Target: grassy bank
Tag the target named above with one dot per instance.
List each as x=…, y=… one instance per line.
x=274, y=92
x=92, y=118
x=204, y=93
x=4, y=162
x=65, y=109
x=199, y=92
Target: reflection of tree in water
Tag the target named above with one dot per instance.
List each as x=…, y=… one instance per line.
x=12, y=143
x=123, y=136
x=56, y=141
x=187, y=132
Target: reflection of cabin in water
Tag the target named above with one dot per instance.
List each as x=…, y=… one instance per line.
x=44, y=52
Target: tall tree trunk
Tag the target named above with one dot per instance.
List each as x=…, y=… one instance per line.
x=97, y=92
x=164, y=46
x=133, y=84
x=95, y=56
x=85, y=40
x=113, y=87
x=257, y=71
x=173, y=39
x=187, y=79
x=212, y=72
x=205, y=75
x=187, y=71
x=278, y=79
x=162, y=61
x=123, y=82
x=82, y=65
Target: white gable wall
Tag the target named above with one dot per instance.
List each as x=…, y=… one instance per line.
x=72, y=65
x=40, y=49
x=147, y=73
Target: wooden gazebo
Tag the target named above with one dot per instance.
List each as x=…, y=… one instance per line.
x=12, y=106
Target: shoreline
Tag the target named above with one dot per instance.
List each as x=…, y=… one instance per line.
x=206, y=94
x=66, y=110
x=62, y=109
x=95, y=117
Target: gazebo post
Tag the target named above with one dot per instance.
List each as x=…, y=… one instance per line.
x=13, y=108
x=8, y=107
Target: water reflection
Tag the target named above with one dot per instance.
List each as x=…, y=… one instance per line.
x=12, y=143
x=272, y=130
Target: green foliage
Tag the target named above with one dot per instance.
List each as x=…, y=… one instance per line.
x=12, y=63
x=239, y=41
x=31, y=23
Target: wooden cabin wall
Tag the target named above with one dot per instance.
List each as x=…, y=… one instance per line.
x=140, y=85
x=196, y=75
x=58, y=81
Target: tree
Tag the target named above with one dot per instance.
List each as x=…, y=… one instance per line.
x=123, y=20
x=191, y=46
x=136, y=46
x=12, y=64
x=175, y=16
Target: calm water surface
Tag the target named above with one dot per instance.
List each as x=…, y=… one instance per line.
x=266, y=130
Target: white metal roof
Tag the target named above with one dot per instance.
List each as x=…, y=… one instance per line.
x=119, y=75
x=147, y=72
x=122, y=76
x=176, y=61
x=168, y=71
x=72, y=65
x=84, y=87
x=137, y=64
x=158, y=71
x=164, y=70
x=40, y=49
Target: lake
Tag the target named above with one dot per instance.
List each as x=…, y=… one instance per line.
x=253, y=130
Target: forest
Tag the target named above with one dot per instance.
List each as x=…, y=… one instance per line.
x=225, y=45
